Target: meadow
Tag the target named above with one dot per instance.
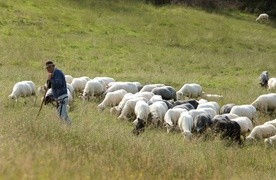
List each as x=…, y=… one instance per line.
x=129, y=41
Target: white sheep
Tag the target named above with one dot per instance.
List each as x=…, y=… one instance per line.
x=128, y=109
x=265, y=102
x=68, y=78
x=158, y=110
x=245, y=124
x=92, y=89
x=171, y=117
x=117, y=109
x=141, y=110
x=192, y=90
x=112, y=99
x=247, y=110
x=210, y=104
x=262, y=16
x=23, y=89
x=128, y=86
x=150, y=87
x=185, y=123
x=261, y=131
x=271, y=84
x=79, y=83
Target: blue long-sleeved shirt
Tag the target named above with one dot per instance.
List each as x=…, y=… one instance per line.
x=58, y=83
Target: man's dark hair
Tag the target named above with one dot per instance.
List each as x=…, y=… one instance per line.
x=49, y=64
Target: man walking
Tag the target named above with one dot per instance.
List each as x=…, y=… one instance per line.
x=56, y=81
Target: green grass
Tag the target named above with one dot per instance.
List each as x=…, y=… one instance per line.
x=129, y=41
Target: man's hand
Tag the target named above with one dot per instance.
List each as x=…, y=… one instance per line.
x=50, y=75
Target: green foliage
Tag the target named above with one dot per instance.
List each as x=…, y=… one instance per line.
x=129, y=41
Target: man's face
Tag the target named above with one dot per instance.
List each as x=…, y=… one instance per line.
x=50, y=69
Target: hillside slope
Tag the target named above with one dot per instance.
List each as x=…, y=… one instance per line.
x=129, y=41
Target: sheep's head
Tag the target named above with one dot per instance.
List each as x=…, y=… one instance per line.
x=179, y=95
x=188, y=135
x=101, y=107
x=169, y=127
x=85, y=96
x=268, y=142
x=140, y=126
x=12, y=97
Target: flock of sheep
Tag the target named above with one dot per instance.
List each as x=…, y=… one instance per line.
x=188, y=110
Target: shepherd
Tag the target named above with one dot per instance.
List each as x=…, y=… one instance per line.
x=56, y=81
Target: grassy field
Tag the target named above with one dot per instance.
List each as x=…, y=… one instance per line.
x=129, y=41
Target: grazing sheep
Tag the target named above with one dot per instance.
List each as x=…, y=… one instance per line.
x=68, y=78
x=128, y=109
x=23, y=89
x=185, y=123
x=261, y=131
x=79, y=83
x=247, y=110
x=271, y=84
x=150, y=87
x=245, y=124
x=262, y=16
x=225, y=109
x=265, y=103
x=158, y=110
x=167, y=92
x=141, y=110
x=227, y=128
x=210, y=104
x=171, y=117
x=263, y=79
x=130, y=87
x=270, y=141
x=117, y=109
x=112, y=99
x=192, y=90
x=93, y=88
x=202, y=122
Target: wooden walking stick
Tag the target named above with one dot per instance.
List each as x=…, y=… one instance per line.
x=43, y=100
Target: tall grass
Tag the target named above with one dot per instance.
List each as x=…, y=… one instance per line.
x=129, y=41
